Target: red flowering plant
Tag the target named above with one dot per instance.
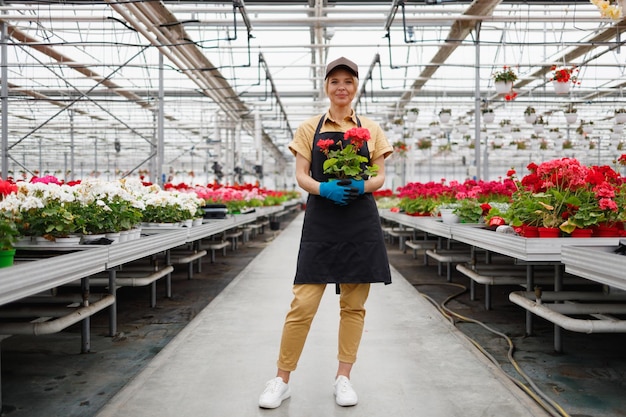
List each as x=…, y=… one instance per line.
x=9, y=217
x=345, y=162
x=564, y=75
x=505, y=75
x=564, y=193
x=400, y=147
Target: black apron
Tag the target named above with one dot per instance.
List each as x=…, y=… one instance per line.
x=340, y=244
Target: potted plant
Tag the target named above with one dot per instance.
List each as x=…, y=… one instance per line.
x=587, y=127
x=444, y=115
x=488, y=114
x=346, y=162
x=530, y=115
x=562, y=78
x=424, y=143
x=400, y=148
x=620, y=115
x=398, y=125
x=446, y=212
x=411, y=114
x=418, y=205
x=570, y=113
x=9, y=234
x=554, y=132
x=434, y=127
x=538, y=124
x=516, y=132
x=470, y=210
x=504, y=79
x=505, y=124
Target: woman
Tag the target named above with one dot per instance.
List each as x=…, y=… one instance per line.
x=342, y=241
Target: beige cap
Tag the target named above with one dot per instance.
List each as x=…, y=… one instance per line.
x=342, y=63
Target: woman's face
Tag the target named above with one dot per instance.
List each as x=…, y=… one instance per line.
x=341, y=87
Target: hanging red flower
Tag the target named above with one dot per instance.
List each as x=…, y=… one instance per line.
x=564, y=75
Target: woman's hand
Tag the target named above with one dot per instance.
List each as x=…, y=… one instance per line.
x=338, y=191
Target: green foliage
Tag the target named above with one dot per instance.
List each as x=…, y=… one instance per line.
x=9, y=232
x=468, y=210
x=346, y=163
x=418, y=205
x=55, y=219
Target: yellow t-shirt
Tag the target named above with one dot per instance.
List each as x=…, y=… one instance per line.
x=302, y=142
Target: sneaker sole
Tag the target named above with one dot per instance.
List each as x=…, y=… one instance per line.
x=278, y=403
x=345, y=404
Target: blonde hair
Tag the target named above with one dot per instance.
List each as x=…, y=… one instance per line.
x=355, y=80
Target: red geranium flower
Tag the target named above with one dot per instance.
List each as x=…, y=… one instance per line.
x=357, y=136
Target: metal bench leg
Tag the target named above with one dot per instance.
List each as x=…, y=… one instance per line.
x=153, y=295
x=86, y=322
x=113, y=307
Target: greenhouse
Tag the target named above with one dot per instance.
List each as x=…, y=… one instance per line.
x=163, y=197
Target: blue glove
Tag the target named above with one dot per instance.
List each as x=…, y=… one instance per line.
x=336, y=192
x=359, y=185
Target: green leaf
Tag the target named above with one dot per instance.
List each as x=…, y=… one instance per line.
x=329, y=163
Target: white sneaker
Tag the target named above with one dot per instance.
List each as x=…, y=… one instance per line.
x=344, y=393
x=275, y=392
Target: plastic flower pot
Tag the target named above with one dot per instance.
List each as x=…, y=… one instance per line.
x=503, y=87
x=561, y=87
x=581, y=233
x=444, y=117
x=489, y=117
x=549, y=232
x=6, y=257
x=274, y=225
x=530, y=231
x=571, y=117
x=530, y=118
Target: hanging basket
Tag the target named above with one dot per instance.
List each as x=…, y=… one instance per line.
x=620, y=117
x=571, y=117
x=530, y=118
x=561, y=87
x=489, y=117
x=503, y=87
x=444, y=117
x=434, y=130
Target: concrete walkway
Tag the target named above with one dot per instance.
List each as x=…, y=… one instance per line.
x=411, y=362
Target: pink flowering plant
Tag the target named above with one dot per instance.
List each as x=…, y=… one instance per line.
x=345, y=162
x=471, y=199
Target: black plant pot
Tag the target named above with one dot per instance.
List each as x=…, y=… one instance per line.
x=274, y=225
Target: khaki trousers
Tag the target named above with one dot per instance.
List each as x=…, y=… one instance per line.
x=305, y=303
